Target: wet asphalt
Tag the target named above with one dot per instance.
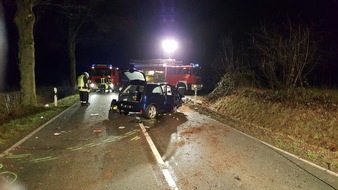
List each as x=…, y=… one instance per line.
x=89, y=148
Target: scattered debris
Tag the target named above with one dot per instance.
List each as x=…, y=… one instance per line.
x=94, y=114
x=135, y=138
x=121, y=127
x=328, y=165
x=237, y=177
x=57, y=134
x=138, y=120
x=97, y=131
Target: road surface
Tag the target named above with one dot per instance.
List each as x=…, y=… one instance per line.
x=85, y=149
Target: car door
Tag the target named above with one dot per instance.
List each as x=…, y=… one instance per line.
x=158, y=98
x=169, y=97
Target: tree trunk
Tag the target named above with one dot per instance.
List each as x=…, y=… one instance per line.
x=73, y=29
x=24, y=21
x=72, y=63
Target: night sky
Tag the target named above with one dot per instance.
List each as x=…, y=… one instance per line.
x=140, y=26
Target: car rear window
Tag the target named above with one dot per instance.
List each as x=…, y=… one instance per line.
x=131, y=89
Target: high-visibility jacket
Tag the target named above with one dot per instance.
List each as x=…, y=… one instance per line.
x=82, y=83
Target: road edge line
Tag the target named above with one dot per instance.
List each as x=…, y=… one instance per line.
x=33, y=133
x=288, y=153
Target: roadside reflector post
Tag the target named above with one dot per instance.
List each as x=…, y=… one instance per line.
x=55, y=97
x=195, y=89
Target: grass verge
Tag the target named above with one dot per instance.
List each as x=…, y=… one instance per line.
x=17, y=128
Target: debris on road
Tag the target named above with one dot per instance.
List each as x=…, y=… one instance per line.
x=238, y=178
x=135, y=138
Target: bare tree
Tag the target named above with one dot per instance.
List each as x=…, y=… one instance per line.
x=80, y=13
x=231, y=68
x=25, y=20
x=77, y=13
x=225, y=60
x=286, y=56
x=231, y=59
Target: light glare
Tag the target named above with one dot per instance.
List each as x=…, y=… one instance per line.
x=169, y=45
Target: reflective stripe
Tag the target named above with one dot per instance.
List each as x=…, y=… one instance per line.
x=83, y=89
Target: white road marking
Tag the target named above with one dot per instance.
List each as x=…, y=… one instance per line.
x=170, y=180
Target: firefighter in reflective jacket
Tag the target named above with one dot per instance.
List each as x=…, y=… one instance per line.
x=82, y=83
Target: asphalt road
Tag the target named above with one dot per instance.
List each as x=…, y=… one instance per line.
x=85, y=149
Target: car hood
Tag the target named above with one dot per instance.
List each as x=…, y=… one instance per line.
x=135, y=77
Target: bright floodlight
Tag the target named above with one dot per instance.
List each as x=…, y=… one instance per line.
x=169, y=46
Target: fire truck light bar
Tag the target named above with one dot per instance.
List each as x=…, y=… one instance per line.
x=194, y=64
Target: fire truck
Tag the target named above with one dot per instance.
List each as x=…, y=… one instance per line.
x=104, y=77
x=185, y=77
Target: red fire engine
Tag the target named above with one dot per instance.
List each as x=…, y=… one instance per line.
x=184, y=77
x=104, y=77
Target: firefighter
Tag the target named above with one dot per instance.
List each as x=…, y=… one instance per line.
x=103, y=84
x=109, y=82
x=82, y=82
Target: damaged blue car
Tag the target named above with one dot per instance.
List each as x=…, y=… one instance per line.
x=148, y=99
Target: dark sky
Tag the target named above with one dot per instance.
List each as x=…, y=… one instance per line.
x=197, y=25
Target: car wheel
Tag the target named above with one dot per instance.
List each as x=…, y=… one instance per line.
x=112, y=114
x=181, y=90
x=123, y=112
x=150, y=112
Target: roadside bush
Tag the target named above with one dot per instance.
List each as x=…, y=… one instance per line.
x=225, y=87
x=230, y=82
x=10, y=101
x=9, y=105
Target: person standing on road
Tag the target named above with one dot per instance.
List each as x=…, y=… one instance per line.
x=82, y=83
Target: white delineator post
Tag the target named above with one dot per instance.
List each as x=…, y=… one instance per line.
x=55, y=97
